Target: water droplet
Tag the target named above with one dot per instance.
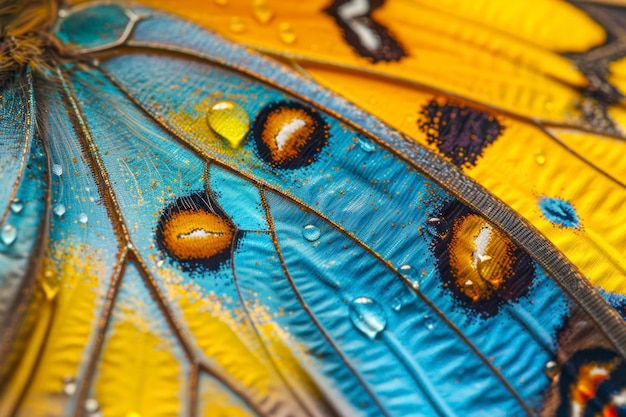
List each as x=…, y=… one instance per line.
x=397, y=303
x=411, y=274
x=221, y=2
x=368, y=316
x=262, y=11
x=92, y=406
x=57, y=170
x=59, y=209
x=69, y=386
x=82, y=217
x=229, y=121
x=437, y=227
x=287, y=33
x=552, y=369
x=129, y=246
x=428, y=322
x=366, y=145
x=540, y=158
x=8, y=234
x=311, y=232
x=236, y=24
x=16, y=206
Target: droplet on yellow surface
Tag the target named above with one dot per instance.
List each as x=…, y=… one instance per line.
x=133, y=414
x=221, y=2
x=50, y=290
x=236, y=24
x=229, y=121
x=262, y=11
x=287, y=33
x=540, y=158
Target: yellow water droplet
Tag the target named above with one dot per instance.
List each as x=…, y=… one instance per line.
x=287, y=33
x=236, y=24
x=262, y=11
x=229, y=121
x=133, y=414
x=49, y=290
x=540, y=158
x=221, y=2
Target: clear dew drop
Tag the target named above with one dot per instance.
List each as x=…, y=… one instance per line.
x=229, y=121
x=16, y=206
x=8, y=234
x=551, y=369
x=59, y=209
x=69, y=386
x=368, y=316
x=286, y=32
x=437, y=227
x=366, y=145
x=397, y=303
x=236, y=24
x=92, y=406
x=411, y=274
x=311, y=232
x=82, y=217
x=57, y=170
x=428, y=322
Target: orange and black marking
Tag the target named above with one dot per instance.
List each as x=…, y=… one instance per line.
x=289, y=134
x=593, y=384
x=478, y=263
x=195, y=233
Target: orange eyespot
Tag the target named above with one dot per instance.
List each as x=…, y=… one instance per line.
x=481, y=257
x=193, y=233
x=289, y=135
x=478, y=263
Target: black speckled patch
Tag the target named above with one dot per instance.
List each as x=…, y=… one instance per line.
x=461, y=133
x=369, y=38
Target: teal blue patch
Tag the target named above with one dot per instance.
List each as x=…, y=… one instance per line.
x=94, y=27
x=560, y=212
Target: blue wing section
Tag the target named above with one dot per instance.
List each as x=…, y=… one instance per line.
x=24, y=176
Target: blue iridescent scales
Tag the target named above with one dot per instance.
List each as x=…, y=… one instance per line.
x=327, y=268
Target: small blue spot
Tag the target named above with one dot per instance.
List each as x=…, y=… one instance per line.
x=559, y=212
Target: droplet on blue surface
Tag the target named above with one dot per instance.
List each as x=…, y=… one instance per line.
x=59, y=209
x=366, y=145
x=560, y=212
x=8, y=234
x=437, y=227
x=411, y=274
x=551, y=369
x=397, y=303
x=368, y=316
x=428, y=322
x=311, y=232
x=16, y=206
x=57, y=170
x=82, y=217
x=69, y=386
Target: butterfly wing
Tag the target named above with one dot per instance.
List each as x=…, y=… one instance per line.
x=280, y=273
